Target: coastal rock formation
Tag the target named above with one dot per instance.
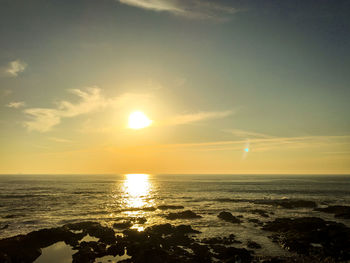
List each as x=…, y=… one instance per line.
x=188, y=214
x=227, y=216
x=339, y=211
x=253, y=245
x=312, y=236
x=123, y=225
x=26, y=248
x=313, y=239
x=260, y=212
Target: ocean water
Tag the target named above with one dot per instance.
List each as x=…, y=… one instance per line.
x=32, y=202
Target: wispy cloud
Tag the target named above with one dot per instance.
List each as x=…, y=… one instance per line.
x=15, y=104
x=43, y=119
x=90, y=100
x=247, y=134
x=14, y=68
x=267, y=144
x=199, y=9
x=59, y=140
x=195, y=117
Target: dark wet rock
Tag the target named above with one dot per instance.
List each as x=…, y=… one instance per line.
x=231, y=239
x=167, y=229
x=139, y=220
x=123, y=225
x=132, y=235
x=105, y=234
x=90, y=250
x=84, y=255
x=227, y=216
x=255, y=221
x=153, y=255
x=260, y=212
x=288, y=203
x=159, y=243
x=188, y=214
x=167, y=207
x=253, y=245
x=186, y=229
x=232, y=254
x=26, y=248
x=201, y=253
x=147, y=209
x=116, y=249
x=312, y=236
x=163, y=229
x=339, y=211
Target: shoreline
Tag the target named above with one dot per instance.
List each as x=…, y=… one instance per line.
x=305, y=239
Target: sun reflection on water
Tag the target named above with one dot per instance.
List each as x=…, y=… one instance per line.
x=136, y=190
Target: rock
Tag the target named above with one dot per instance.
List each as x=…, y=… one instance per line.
x=153, y=255
x=105, y=234
x=116, y=249
x=84, y=255
x=163, y=229
x=201, y=253
x=255, y=221
x=186, y=229
x=166, y=207
x=260, y=212
x=139, y=220
x=167, y=229
x=122, y=225
x=231, y=239
x=188, y=214
x=227, y=216
x=339, y=211
x=98, y=248
x=253, y=245
x=301, y=234
x=232, y=254
x=26, y=248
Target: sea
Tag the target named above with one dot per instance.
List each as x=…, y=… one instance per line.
x=32, y=202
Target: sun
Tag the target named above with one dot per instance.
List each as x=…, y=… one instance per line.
x=138, y=120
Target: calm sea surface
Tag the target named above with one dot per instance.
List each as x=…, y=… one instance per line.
x=31, y=202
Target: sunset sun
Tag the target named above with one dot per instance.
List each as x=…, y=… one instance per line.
x=138, y=120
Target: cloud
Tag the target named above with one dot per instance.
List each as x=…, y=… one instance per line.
x=90, y=100
x=247, y=134
x=14, y=68
x=195, y=117
x=43, y=119
x=268, y=144
x=59, y=140
x=15, y=104
x=198, y=9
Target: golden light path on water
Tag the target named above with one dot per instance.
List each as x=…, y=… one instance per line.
x=137, y=195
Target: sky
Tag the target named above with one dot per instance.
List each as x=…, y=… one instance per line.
x=239, y=87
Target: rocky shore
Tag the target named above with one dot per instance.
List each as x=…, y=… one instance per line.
x=309, y=239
